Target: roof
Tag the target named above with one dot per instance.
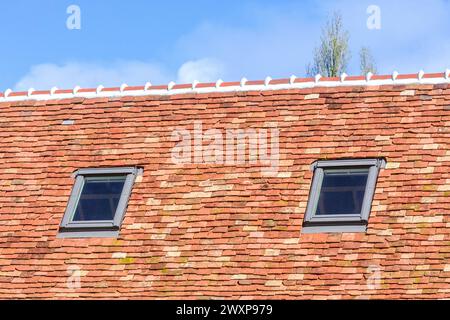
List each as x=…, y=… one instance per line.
x=202, y=230
x=220, y=86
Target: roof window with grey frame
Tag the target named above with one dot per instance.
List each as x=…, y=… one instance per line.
x=341, y=195
x=98, y=202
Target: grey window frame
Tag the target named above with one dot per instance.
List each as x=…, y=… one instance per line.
x=75, y=229
x=341, y=222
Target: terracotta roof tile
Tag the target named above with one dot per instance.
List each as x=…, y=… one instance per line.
x=203, y=230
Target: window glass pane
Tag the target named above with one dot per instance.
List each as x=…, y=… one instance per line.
x=99, y=198
x=342, y=191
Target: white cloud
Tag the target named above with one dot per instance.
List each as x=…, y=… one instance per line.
x=68, y=75
x=203, y=70
x=279, y=48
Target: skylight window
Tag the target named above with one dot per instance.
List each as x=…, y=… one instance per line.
x=99, y=198
x=341, y=195
x=98, y=202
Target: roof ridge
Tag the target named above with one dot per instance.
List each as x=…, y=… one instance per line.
x=220, y=86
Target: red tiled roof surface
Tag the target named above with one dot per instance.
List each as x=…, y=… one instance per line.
x=220, y=231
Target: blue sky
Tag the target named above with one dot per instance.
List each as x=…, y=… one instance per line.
x=137, y=41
